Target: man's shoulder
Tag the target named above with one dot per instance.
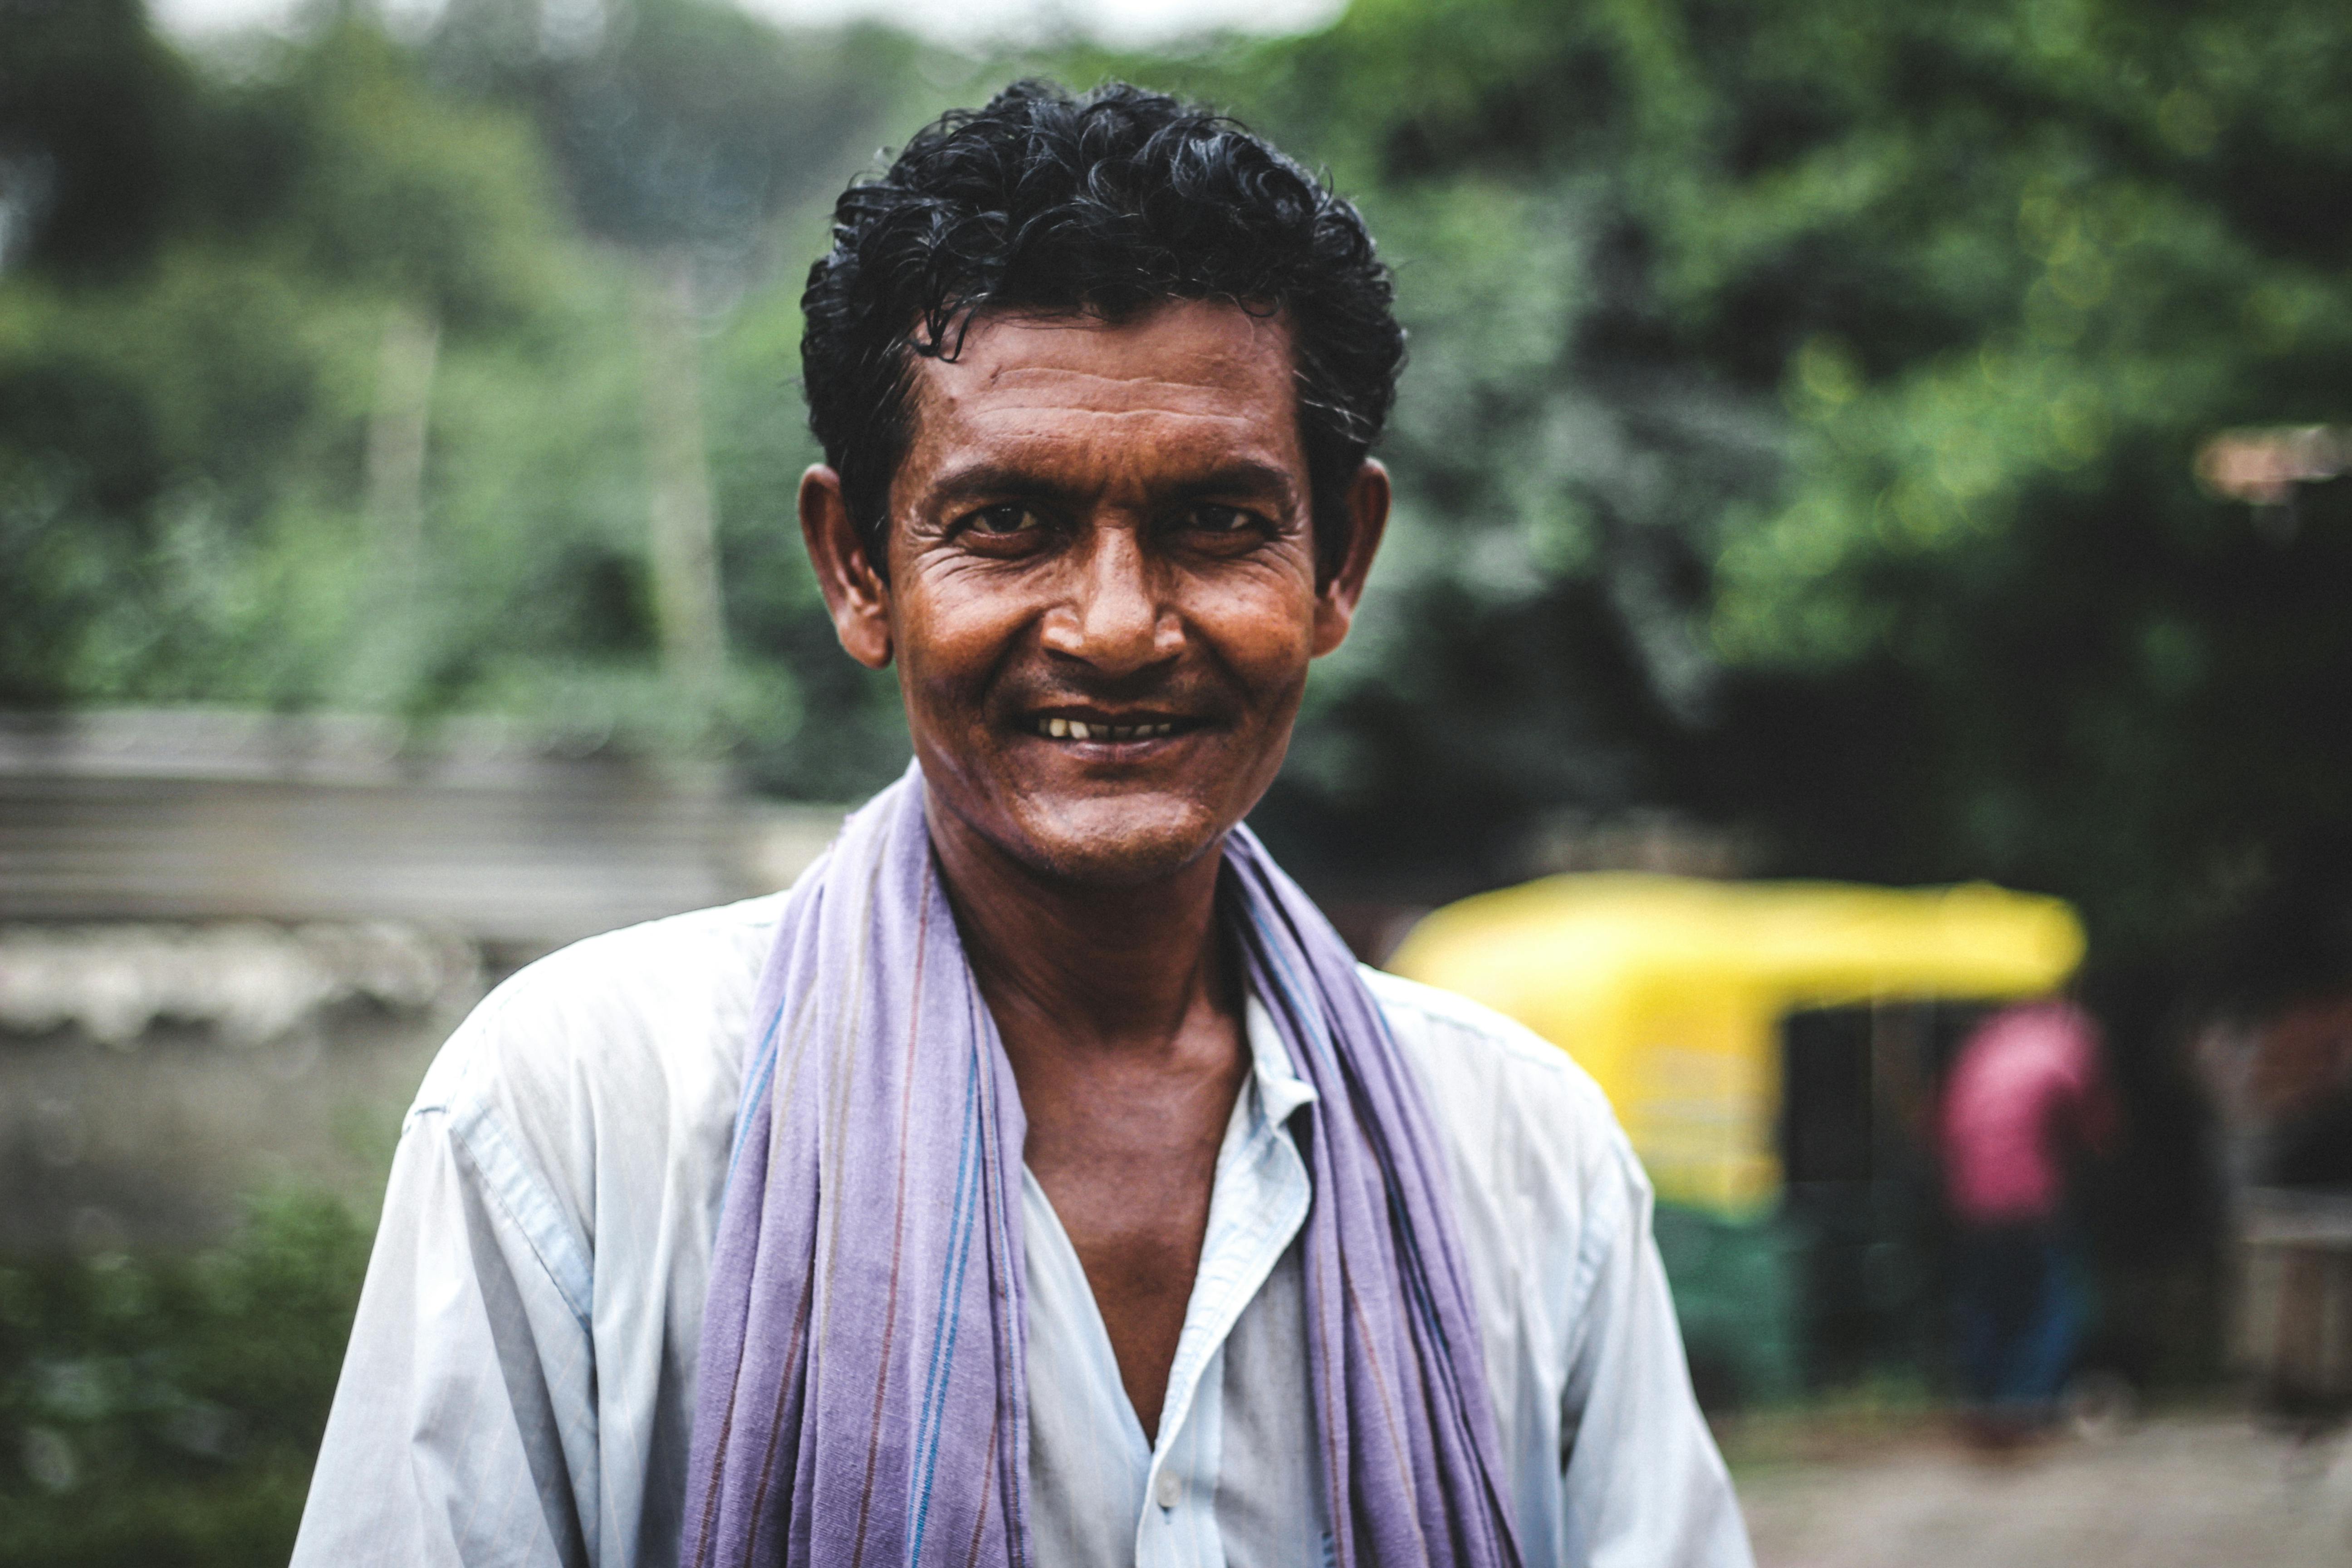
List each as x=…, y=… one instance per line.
x=653, y=1006
x=1492, y=1080
x=1544, y=1183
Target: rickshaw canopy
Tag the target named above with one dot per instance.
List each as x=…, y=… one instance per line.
x=1670, y=991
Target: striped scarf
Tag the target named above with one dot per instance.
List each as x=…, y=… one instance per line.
x=863, y=1393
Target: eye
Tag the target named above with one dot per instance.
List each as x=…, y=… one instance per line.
x=1208, y=517
x=1006, y=519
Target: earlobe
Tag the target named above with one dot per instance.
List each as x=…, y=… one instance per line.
x=1368, y=520
x=855, y=594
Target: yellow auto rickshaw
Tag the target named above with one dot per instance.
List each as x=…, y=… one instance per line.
x=1679, y=997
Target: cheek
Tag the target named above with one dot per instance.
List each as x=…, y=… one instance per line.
x=952, y=634
x=1262, y=631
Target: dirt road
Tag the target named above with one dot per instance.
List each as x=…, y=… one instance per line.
x=2203, y=1492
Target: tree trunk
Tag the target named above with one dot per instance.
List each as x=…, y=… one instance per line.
x=395, y=443
x=684, y=533
x=391, y=651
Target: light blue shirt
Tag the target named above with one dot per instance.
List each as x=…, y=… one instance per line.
x=520, y=1386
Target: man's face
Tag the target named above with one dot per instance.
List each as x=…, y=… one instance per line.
x=1102, y=593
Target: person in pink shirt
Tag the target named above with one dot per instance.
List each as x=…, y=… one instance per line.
x=2026, y=1094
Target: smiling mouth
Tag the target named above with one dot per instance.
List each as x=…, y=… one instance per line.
x=1060, y=728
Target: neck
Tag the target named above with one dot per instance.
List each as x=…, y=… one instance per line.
x=1115, y=968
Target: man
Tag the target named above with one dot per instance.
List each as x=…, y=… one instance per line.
x=1038, y=1182
x=2027, y=1092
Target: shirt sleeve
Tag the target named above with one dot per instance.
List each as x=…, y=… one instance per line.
x=1645, y=1485
x=463, y=1426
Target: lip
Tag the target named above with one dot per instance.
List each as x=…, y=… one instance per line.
x=1098, y=730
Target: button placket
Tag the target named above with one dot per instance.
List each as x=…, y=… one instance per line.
x=1256, y=1207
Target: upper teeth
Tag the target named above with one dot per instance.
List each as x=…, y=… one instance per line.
x=1079, y=729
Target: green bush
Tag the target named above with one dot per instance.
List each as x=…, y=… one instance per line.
x=165, y=1411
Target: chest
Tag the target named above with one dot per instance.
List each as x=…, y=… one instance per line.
x=1129, y=1163
x=1231, y=1475
x=1126, y=1157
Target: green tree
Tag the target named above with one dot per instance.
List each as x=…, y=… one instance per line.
x=351, y=411
x=1820, y=460
x=1801, y=425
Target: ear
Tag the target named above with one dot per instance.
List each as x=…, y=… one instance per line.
x=854, y=592
x=1368, y=519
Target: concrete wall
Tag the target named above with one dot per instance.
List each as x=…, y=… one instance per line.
x=230, y=943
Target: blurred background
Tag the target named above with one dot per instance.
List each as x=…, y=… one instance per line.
x=1848, y=449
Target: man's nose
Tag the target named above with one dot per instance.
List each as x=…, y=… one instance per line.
x=1112, y=616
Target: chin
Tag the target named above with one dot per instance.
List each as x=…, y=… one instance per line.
x=1113, y=841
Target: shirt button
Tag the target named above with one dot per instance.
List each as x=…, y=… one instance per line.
x=1169, y=1490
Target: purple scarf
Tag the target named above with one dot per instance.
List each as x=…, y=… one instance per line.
x=864, y=1396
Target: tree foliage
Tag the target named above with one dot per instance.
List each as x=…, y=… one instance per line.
x=1822, y=440
x=1799, y=432
x=186, y=422
x=168, y=1410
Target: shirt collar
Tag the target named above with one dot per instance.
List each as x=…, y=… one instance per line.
x=1280, y=1090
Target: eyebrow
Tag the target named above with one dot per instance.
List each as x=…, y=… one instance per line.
x=987, y=477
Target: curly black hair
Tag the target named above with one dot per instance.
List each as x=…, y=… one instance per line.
x=1102, y=203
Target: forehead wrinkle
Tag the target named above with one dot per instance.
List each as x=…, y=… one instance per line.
x=1003, y=425
x=1072, y=469
x=1122, y=475
x=996, y=395
x=1209, y=388
x=995, y=408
